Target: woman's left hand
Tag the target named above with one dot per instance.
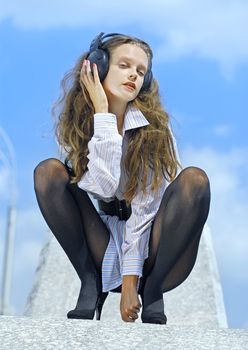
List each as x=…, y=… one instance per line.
x=130, y=304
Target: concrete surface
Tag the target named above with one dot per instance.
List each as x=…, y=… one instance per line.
x=24, y=333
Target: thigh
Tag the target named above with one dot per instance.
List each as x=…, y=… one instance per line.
x=183, y=266
x=156, y=229
x=96, y=232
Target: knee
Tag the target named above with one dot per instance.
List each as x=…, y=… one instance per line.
x=196, y=175
x=48, y=173
x=197, y=179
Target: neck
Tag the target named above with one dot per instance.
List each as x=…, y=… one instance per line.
x=118, y=108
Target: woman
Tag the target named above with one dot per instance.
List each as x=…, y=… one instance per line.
x=119, y=147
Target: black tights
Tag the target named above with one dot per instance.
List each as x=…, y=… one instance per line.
x=175, y=233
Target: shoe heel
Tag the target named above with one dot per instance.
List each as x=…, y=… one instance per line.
x=100, y=301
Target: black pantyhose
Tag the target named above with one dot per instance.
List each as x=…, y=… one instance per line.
x=77, y=226
x=175, y=237
x=70, y=214
x=79, y=229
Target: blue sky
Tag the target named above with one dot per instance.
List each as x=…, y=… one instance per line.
x=201, y=63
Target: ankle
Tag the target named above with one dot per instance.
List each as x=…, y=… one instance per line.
x=153, y=311
x=151, y=294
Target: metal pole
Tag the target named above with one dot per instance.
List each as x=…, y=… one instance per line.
x=10, y=233
x=8, y=261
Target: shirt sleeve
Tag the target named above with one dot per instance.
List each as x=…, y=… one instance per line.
x=176, y=149
x=138, y=227
x=105, y=150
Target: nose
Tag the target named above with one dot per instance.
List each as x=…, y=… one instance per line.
x=133, y=76
x=132, y=73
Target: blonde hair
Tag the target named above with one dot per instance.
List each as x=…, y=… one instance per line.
x=149, y=147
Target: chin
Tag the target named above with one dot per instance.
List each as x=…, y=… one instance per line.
x=121, y=97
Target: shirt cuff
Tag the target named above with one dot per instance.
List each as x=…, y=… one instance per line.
x=105, y=123
x=132, y=266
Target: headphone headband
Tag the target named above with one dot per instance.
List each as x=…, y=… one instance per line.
x=99, y=38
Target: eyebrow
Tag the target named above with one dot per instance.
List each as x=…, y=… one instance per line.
x=130, y=60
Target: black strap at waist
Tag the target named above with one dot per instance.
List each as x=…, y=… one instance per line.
x=116, y=207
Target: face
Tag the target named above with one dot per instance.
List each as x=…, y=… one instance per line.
x=127, y=67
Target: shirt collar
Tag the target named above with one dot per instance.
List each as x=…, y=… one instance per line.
x=133, y=118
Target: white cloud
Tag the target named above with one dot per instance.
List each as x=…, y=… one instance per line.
x=4, y=182
x=29, y=238
x=30, y=223
x=1, y=247
x=30, y=231
x=228, y=173
x=222, y=130
x=27, y=255
x=215, y=30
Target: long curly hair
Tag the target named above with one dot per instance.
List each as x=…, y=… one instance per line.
x=150, y=148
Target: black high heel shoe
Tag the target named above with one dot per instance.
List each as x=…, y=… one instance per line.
x=91, y=298
x=153, y=313
x=88, y=314
x=100, y=301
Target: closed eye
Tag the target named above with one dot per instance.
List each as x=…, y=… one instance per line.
x=125, y=66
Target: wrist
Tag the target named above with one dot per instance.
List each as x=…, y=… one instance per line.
x=103, y=109
x=130, y=280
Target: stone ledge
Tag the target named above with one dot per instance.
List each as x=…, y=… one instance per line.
x=55, y=333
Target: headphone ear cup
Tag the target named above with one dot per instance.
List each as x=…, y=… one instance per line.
x=101, y=58
x=147, y=81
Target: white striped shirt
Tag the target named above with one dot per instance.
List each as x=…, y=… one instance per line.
x=105, y=179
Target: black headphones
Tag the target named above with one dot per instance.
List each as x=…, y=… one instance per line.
x=101, y=58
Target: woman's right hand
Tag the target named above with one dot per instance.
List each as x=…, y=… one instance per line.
x=94, y=87
x=129, y=304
